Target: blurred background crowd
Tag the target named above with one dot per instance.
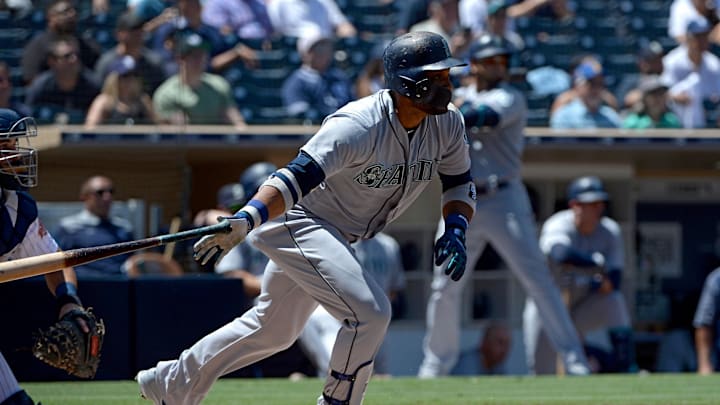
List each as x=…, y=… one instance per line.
x=633, y=64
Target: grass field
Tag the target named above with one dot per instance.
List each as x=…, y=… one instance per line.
x=652, y=389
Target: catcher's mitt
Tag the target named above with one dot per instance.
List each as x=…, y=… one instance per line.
x=64, y=345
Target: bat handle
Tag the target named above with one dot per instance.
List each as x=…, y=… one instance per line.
x=223, y=226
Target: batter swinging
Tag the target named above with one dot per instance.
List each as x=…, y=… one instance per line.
x=367, y=163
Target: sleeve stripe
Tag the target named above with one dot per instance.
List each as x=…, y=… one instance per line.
x=262, y=209
x=286, y=176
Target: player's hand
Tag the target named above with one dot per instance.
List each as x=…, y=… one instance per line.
x=219, y=244
x=451, y=247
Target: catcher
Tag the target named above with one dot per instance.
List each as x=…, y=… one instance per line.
x=74, y=343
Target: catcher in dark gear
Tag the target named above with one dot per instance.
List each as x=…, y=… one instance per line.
x=23, y=235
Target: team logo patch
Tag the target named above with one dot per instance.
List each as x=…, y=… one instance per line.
x=472, y=192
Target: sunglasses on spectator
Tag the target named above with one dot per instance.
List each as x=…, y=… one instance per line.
x=101, y=191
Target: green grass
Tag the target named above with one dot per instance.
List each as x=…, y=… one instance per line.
x=655, y=389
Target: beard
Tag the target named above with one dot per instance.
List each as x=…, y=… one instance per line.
x=436, y=102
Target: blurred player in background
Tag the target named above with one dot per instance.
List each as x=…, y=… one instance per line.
x=22, y=233
x=576, y=239
x=495, y=116
x=707, y=325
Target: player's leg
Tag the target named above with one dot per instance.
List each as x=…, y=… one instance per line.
x=441, y=346
x=609, y=311
x=513, y=233
x=324, y=264
x=539, y=352
x=10, y=391
x=270, y=326
x=318, y=338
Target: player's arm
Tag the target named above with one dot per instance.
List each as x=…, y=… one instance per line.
x=704, y=321
x=63, y=286
x=276, y=195
x=458, y=207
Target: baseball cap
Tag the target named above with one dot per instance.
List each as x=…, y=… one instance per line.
x=124, y=65
x=651, y=83
x=231, y=196
x=496, y=6
x=698, y=26
x=190, y=41
x=309, y=38
x=129, y=21
x=652, y=50
x=587, y=189
x=587, y=71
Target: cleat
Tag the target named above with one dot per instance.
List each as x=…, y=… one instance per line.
x=149, y=387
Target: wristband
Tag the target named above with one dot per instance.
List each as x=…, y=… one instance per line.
x=66, y=293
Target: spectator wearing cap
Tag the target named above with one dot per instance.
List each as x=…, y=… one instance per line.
x=443, y=20
x=372, y=76
x=649, y=64
x=61, y=21
x=122, y=99
x=194, y=96
x=129, y=36
x=586, y=110
x=316, y=88
x=64, y=93
x=570, y=94
x=653, y=110
x=683, y=12
x=693, y=74
x=187, y=18
x=298, y=18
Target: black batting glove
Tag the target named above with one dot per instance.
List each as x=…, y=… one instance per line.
x=451, y=246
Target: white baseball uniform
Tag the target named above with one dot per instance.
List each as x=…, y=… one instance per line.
x=373, y=172
x=504, y=218
x=23, y=235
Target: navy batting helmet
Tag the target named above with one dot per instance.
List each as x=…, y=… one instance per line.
x=587, y=189
x=18, y=164
x=409, y=57
x=255, y=175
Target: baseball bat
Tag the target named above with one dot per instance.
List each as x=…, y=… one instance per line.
x=50, y=262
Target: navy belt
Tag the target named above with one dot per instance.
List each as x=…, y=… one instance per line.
x=491, y=187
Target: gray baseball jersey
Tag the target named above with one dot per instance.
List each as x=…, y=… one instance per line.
x=708, y=310
x=594, y=310
x=373, y=172
x=504, y=218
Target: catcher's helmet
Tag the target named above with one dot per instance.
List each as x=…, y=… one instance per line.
x=587, y=189
x=408, y=57
x=18, y=164
x=254, y=176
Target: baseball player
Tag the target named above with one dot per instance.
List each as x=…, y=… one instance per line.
x=21, y=233
x=365, y=166
x=707, y=325
x=573, y=239
x=495, y=116
x=379, y=256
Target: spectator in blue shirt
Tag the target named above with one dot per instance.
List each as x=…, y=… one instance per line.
x=93, y=226
x=316, y=89
x=707, y=325
x=586, y=110
x=491, y=354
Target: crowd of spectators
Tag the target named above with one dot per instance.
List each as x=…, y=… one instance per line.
x=303, y=59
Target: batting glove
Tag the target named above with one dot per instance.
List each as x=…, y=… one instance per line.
x=451, y=245
x=219, y=245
